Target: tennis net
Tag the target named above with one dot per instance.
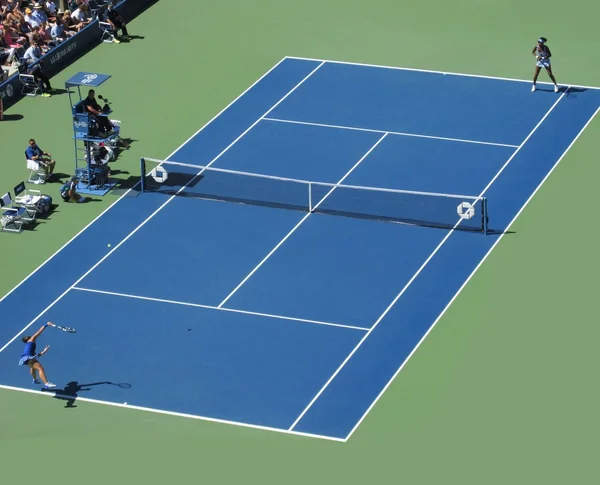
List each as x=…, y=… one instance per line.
x=401, y=206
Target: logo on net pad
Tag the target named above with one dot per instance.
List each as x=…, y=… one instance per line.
x=465, y=210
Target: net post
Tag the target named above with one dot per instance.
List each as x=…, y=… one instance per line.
x=142, y=174
x=484, y=215
x=310, y=206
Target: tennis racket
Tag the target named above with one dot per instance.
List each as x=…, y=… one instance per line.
x=66, y=329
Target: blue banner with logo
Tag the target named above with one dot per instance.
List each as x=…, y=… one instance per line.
x=69, y=51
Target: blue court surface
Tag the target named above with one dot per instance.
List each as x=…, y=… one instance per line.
x=281, y=319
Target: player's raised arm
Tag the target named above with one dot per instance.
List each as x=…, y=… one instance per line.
x=39, y=332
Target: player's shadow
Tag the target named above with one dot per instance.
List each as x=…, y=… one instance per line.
x=573, y=92
x=499, y=232
x=71, y=391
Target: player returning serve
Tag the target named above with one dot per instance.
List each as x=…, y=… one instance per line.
x=542, y=55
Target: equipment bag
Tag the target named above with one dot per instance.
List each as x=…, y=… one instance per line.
x=45, y=203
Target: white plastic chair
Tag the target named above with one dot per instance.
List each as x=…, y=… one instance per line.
x=37, y=171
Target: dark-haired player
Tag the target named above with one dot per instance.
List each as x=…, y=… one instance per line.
x=30, y=357
x=542, y=55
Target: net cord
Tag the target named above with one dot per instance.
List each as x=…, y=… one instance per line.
x=201, y=168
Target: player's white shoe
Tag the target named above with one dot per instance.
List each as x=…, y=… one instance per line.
x=533, y=88
x=49, y=385
x=556, y=88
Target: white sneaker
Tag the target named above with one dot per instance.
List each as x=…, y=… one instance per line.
x=556, y=88
x=533, y=88
x=49, y=385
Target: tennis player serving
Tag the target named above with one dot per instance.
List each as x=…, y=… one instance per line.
x=30, y=358
x=542, y=55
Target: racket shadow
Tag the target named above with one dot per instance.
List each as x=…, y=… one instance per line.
x=71, y=391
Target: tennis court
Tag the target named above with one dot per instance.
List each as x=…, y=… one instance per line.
x=291, y=320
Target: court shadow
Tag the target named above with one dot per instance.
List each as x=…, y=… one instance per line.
x=175, y=181
x=58, y=91
x=499, y=232
x=129, y=38
x=12, y=117
x=573, y=92
x=127, y=185
x=57, y=178
x=70, y=392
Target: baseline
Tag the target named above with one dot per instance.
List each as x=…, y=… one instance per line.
x=173, y=413
x=481, y=76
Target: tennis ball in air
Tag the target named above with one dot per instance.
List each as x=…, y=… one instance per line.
x=108, y=245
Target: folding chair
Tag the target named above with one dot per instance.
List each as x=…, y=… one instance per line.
x=12, y=218
x=108, y=35
x=37, y=174
x=31, y=87
x=32, y=200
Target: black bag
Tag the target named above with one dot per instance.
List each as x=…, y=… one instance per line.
x=45, y=204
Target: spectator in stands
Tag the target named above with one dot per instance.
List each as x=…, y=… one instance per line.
x=34, y=152
x=11, y=39
x=33, y=54
x=6, y=53
x=44, y=38
x=15, y=14
x=82, y=15
x=58, y=32
x=95, y=111
x=38, y=15
x=28, y=12
x=116, y=21
x=51, y=10
x=24, y=29
x=72, y=23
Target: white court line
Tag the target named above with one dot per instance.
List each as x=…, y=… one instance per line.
x=299, y=223
x=431, y=137
x=438, y=72
x=209, y=307
x=439, y=246
x=172, y=413
x=129, y=190
x=156, y=211
x=469, y=278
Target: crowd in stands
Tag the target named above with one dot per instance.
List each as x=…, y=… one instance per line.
x=30, y=29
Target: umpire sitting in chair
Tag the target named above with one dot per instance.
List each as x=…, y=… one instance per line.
x=96, y=113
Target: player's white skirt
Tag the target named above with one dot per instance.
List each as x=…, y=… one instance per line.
x=543, y=63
